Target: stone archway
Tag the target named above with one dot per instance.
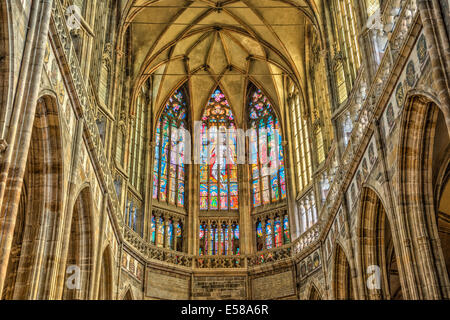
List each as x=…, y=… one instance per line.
x=377, y=255
x=79, y=261
x=342, y=276
x=314, y=294
x=423, y=149
x=128, y=295
x=441, y=183
x=105, y=291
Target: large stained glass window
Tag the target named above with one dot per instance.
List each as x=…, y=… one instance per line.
x=266, y=152
x=169, y=165
x=218, y=169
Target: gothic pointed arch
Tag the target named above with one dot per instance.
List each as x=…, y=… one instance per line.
x=314, y=293
x=105, y=291
x=79, y=260
x=423, y=153
x=342, y=276
x=218, y=156
x=266, y=152
x=170, y=158
x=377, y=256
x=40, y=207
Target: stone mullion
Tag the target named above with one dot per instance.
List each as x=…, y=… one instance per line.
x=166, y=232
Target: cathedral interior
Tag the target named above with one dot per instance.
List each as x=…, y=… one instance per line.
x=224, y=150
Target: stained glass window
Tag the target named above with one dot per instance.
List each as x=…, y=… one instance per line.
x=169, y=239
x=286, y=231
x=179, y=237
x=278, y=233
x=169, y=169
x=153, y=227
x=269, y=232
x=160, y=233
x=236, y=237
x=266, y=152
x=218, y=169
x=259, y=236
x=203, y=243
x=219, y=239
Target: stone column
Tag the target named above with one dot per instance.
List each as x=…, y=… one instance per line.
x=19, y=137
x=166, y=232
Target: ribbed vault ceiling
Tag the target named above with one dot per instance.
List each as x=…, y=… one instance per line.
x=223, y=44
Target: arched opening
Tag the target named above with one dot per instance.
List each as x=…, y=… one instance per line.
x=31, y=263
x=106, y=278
x=378, y=257
x=441, y=179
x=79, y=258
x=424, y=149
x=314, y=294
x=128, y=295
x=342, y=281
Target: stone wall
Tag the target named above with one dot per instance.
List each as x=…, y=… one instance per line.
x=273, y=285
x=219, y=288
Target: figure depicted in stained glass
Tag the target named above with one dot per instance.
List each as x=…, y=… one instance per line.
x=269, y=234
x=169, y=165
x=218, y=169
x=266, y=151
x=286, y=232
x=202, y=237
x=153, y=226
x=259, y=237
x=278, y=233
x=179, y=237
